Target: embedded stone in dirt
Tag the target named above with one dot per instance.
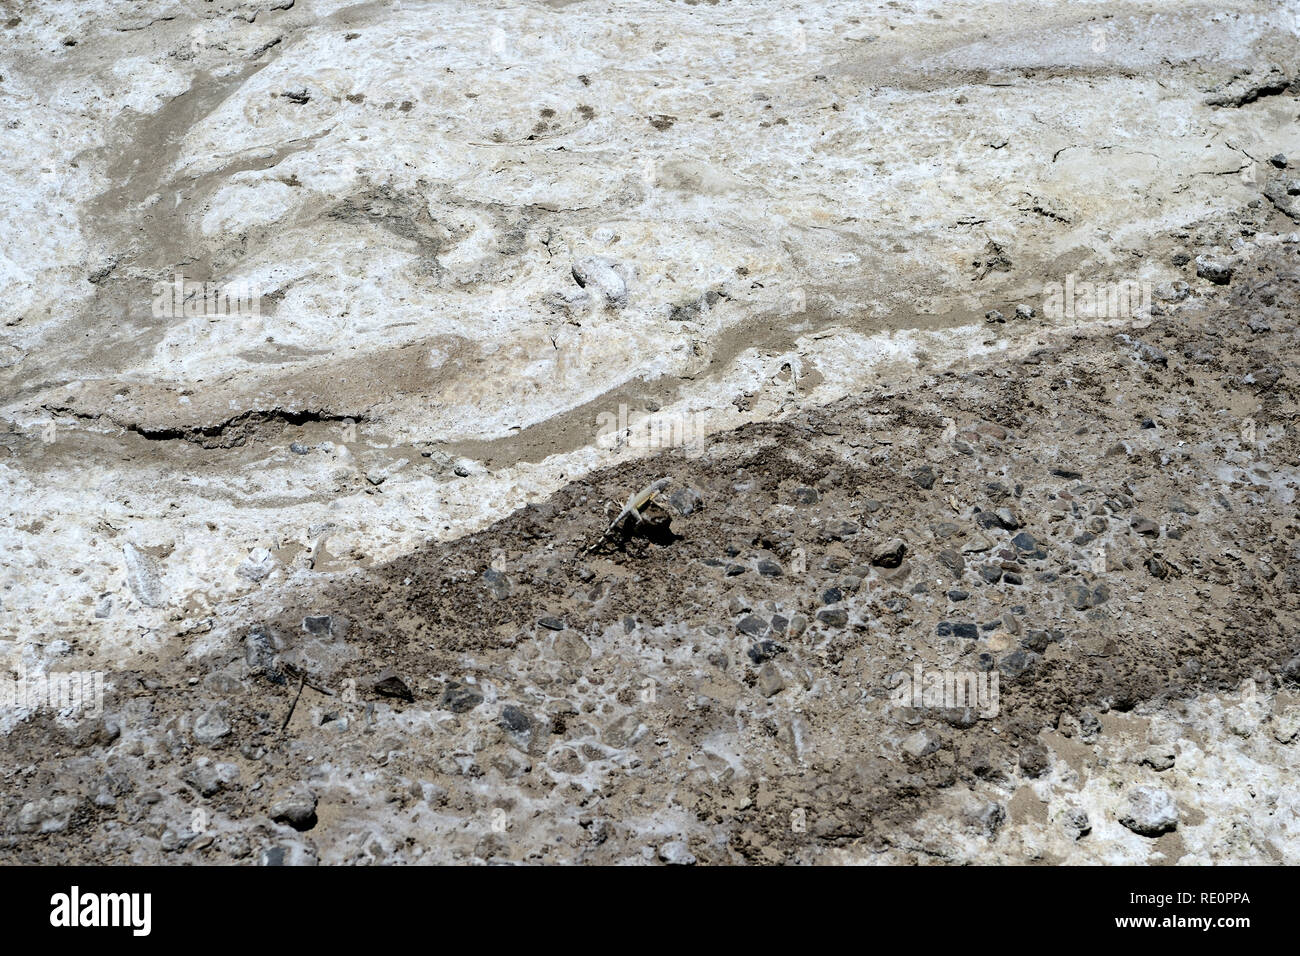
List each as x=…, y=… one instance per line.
x=295, y=806
x=1151, y=811
x=388, y=684
x=890, y=554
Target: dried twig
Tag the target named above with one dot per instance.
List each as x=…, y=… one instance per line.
x=302, y=682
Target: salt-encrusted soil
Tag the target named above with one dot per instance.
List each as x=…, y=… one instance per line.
x=1108, y=523
x=375, y=507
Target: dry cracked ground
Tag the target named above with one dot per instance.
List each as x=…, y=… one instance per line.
x=852, y=280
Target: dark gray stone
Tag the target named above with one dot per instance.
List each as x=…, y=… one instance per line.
x=460, y=698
